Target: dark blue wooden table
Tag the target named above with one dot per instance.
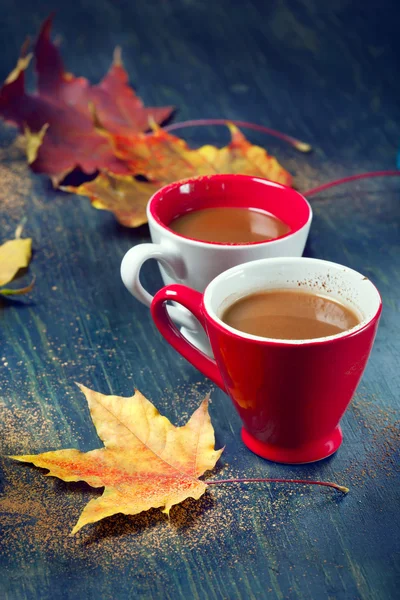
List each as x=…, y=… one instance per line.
x=324, y=72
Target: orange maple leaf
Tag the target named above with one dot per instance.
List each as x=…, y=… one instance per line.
x=164, y=158
x=146, y=462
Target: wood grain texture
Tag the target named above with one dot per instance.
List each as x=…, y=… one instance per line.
x=323, y=74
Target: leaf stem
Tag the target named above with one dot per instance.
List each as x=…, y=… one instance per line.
x=20, y=228
x=327, y=186
x=340, y=488
x=295, y=143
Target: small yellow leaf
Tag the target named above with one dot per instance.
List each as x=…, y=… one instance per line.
x=14, y=255
x=146, y=462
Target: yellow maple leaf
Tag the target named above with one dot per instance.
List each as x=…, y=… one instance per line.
x=163, y=158
x=146, y=462
x=14, y=255
x=125, y=196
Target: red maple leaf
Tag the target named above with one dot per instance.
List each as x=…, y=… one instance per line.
x=116, y=104
x=63, y=105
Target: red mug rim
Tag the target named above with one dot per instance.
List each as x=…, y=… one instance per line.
x=236, y=333
x=157, y=199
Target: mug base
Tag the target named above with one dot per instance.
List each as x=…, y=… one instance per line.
x=307, y=453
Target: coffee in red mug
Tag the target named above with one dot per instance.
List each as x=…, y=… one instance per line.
x=290, y=393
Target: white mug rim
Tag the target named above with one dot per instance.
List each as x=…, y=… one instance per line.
x=162, y=228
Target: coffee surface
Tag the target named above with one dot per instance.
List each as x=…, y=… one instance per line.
x=229, y=225
x=289, y=315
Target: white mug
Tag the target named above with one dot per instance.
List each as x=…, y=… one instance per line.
x=195, y=263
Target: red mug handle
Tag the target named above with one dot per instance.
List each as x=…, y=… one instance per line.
x=191, y=300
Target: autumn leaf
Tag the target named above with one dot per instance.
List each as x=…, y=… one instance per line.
x=58, y=121
x=126, y=197
x=163, y=158
x=14, y=255
x=145, y=463
x=71, y=125
x=116, y=103
x=58, y=138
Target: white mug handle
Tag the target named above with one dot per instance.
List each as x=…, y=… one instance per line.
x=173, y=264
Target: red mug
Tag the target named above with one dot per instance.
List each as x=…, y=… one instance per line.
x=290, y=394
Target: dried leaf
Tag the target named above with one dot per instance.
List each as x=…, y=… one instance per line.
x=145, y=463
x=116, y=103
x=71, y=139
x=126, y=197
x=164, y=158
x=71, y=124
x=53, y=81
x=14, y=255
x=63, y=105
